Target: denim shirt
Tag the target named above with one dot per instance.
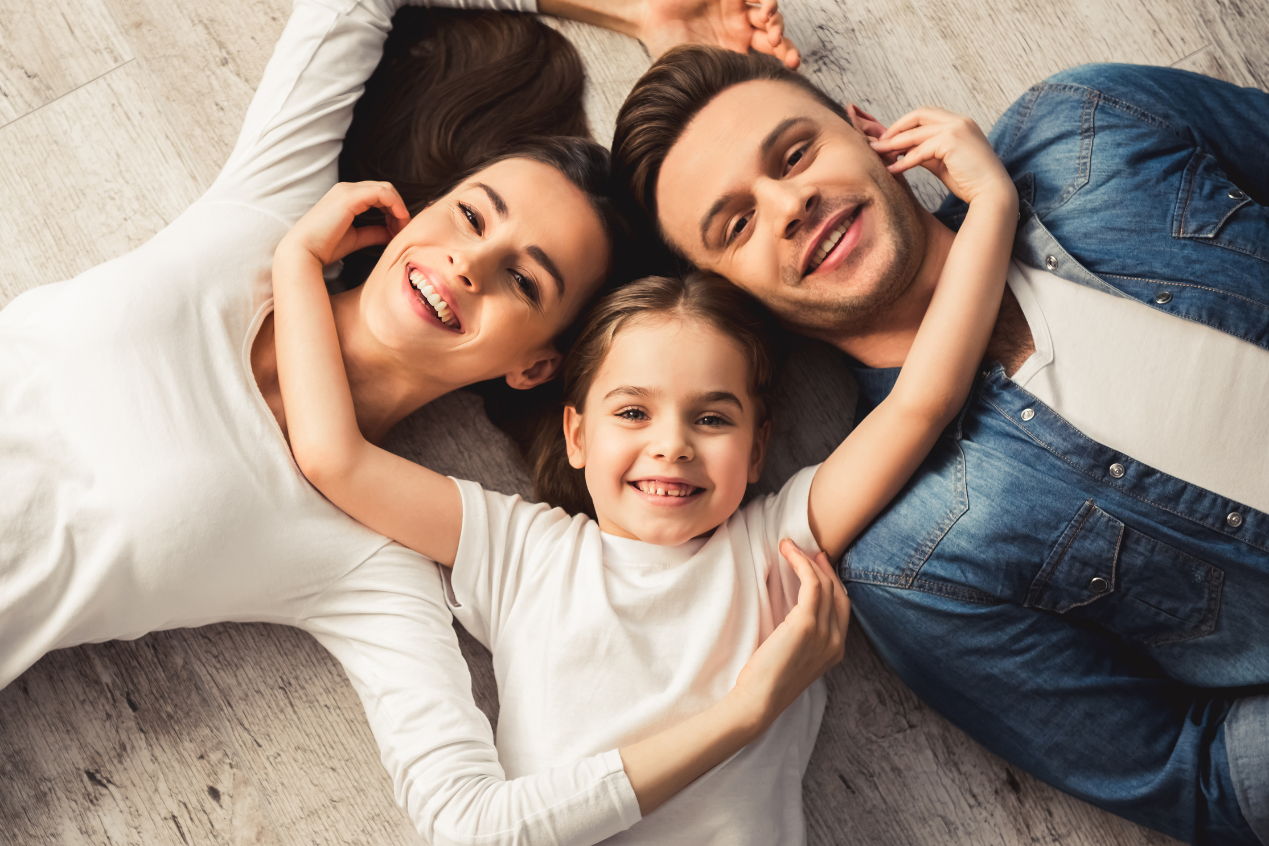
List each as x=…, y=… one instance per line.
x=1094, y=620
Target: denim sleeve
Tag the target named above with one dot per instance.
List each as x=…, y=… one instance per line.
x=1067, y=703
x=1230, y=122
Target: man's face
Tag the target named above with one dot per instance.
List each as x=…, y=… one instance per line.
x=773, y=190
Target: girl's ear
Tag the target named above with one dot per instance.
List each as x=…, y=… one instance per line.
x=760, y=438
x=544, y=364
x=574, y=439
x=864, y=122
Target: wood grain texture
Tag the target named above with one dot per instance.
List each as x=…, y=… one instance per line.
x=114, y=114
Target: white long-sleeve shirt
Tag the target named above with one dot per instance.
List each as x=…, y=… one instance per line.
x=147, y=485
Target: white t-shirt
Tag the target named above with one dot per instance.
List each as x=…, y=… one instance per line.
x=1176, y=395
x=146, y=484
x=599, y=641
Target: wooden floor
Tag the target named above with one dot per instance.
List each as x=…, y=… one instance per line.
x=114, y=114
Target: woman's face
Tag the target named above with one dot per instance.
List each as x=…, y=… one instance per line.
x=478, y=284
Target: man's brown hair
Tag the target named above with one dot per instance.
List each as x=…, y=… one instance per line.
x=668, y=96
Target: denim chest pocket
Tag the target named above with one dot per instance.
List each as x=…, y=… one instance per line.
x=1212, y=209
x=1127, y=582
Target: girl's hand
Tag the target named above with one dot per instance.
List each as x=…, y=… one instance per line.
x=950, y=146
x=327, y=233
x=733, y=24
x=809, y=641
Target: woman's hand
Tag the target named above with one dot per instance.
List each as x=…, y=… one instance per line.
x=950, y=146
x=734, y=24
x=809, y=641
x=327, y=233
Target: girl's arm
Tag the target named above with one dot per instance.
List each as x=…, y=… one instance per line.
x=867, y=470
x=411, y=504
x=423, y=510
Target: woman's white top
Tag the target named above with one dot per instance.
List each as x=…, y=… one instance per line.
x=600, y=641
x=146, y=484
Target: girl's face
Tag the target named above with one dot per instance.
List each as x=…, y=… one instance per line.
x=669, y=438
x=478, y=284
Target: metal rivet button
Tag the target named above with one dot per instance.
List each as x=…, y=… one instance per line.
x=1098, y=585
x=1050, y=262
x=1117, y=470
x=1233, y=519
x=1027, y=414
x=1163, y=297
x=1236, y=195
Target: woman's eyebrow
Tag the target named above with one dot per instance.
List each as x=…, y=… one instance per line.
x=499, y=204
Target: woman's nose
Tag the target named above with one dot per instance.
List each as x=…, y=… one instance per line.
x=461, y=267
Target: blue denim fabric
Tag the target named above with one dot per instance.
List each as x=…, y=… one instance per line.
x=1093, y=620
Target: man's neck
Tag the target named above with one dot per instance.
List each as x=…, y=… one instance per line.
x=889, y=338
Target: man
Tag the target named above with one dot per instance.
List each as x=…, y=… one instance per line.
x=1078, y=575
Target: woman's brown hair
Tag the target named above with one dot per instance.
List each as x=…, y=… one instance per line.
x=696, y=296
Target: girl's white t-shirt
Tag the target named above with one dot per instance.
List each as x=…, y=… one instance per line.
x=599, y=641
x=147, y=486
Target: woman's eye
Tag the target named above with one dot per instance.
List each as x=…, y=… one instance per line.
x=472, y=218
x=737, y=227
x=527, y=286
x=632, y=414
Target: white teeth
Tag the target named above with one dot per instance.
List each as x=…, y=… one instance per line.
x=658, y=490
x=443, y=311
x=829, y=243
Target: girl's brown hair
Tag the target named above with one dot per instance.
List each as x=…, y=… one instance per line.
x=697, y=296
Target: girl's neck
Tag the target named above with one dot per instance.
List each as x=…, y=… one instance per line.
x=385, y=388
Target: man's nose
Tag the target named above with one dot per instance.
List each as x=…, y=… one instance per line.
x=792, y=204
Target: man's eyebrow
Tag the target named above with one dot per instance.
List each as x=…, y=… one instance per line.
x=764, y=150
x=500, y=206
x=551, y=267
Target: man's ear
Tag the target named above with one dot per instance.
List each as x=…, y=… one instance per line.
x=544, y=364
x=759, y=455
x=864, y=122
x=574, y=439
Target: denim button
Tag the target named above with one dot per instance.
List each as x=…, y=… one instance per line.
x=1098, y=585
x=1027, y=414
x=1163, y=297
x=1050, y=262
x=1236, y=195
x=1233, y=519
x=1117, y=470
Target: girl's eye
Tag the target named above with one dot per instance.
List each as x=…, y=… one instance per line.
x=737, y=228
x=632, y=414
x=473, y=219
x=527, y=287
x=713, y=420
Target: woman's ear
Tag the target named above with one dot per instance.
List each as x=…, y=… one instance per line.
x=864, y=122
x=574, y=438
x=543, y=367
x=760, y=438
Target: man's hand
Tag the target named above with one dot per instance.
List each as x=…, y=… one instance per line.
x=661, y=24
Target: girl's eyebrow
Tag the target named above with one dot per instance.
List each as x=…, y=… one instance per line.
x=703, y=398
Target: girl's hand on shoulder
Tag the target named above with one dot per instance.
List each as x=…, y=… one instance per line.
x=950, y=146
x=809, y=640
x=733, y=24
x=326, y=231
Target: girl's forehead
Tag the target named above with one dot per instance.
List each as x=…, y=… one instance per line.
x=673, y=355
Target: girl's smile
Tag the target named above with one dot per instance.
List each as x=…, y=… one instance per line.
x=669, y=436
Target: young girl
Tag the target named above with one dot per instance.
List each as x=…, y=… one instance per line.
x=636, y=629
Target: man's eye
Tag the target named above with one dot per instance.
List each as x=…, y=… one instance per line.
x=632, y=414
x=737, y=228
x=794, y=158
x=472, y=218
x=527, y=286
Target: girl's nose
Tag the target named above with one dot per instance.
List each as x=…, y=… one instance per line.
x=673, y=447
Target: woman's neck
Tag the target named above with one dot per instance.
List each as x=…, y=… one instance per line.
x=385, y=389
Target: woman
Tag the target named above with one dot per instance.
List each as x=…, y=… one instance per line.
x=143, y=446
